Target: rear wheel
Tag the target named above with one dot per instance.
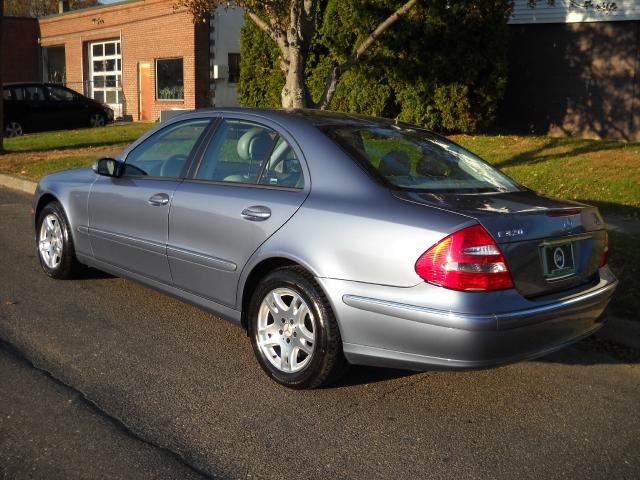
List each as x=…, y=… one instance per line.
x=293, y=331
x=97, y=119
x=13, y=129
x=55, y=243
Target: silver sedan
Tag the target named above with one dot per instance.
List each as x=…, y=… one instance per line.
x=334, y=239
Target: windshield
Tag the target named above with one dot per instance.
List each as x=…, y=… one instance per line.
x=415, y=159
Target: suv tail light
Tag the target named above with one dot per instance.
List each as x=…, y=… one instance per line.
x=468, y=259
x=605, y=252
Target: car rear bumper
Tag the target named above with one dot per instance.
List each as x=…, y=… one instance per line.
x=386, y=328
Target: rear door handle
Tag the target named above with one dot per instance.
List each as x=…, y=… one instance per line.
x=256, y=213
x=158, y=200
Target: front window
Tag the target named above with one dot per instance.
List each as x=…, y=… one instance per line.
x=169, y=79
x=166, y=153
x=60, y=94
x=411, y=158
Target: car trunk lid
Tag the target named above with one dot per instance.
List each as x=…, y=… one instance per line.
x=549, y=244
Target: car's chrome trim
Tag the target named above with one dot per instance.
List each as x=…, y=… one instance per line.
x=200, y=259
x=127, y=240
x=469, y=321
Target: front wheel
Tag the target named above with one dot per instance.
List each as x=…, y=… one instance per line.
x=55, y=243
x=97, y=120
x=293, y=331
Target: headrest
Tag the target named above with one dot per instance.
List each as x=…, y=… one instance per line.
x=395, y=163
x=254, y=145
x=428, y=167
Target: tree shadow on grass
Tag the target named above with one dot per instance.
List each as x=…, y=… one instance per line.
x=578, y=147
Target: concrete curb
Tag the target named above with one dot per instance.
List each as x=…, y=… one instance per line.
x=26, y=186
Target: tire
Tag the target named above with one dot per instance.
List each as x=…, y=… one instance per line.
x=97, y=119
x=13, y=129
x=55, y=244
x=305, y=349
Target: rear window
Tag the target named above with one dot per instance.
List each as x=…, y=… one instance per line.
x=410, y=158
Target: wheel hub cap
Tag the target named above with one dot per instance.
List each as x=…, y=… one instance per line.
x=286, y=330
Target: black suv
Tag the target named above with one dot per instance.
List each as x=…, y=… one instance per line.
x=30, y=107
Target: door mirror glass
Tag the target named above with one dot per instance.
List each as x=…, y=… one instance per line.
x=108, y=167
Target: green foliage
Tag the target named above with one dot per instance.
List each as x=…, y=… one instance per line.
x=442, y=66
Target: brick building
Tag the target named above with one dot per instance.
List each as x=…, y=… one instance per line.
x=143, y=56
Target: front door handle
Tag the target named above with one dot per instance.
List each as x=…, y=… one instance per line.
x=256, y=213
x=158, y=200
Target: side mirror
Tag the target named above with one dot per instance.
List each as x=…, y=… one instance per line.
x=108, y=167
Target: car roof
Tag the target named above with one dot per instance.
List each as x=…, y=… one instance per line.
x=316, y=118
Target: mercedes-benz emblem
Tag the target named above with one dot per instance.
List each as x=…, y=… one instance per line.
x=558, y=257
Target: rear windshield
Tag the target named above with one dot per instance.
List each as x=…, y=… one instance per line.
x=415, y=159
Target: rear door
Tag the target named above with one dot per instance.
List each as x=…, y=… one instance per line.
x=129, y=215
x=250, y=180
x=64, y=107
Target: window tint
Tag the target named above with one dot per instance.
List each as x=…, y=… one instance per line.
x=169, y=79
x=415, y=159
x=18, y=93
x=240, y=151
x=34, y=93
x=60, y=94
x=165, y=153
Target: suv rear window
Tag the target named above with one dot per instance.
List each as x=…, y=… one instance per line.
x=410, y=158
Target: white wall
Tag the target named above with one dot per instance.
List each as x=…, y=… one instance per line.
x=567, y=11
x=225, y=34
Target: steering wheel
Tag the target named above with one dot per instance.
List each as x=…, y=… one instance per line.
x=172, y=166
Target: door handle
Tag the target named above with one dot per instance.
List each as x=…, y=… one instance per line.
x=256, y=213
x=158, y=200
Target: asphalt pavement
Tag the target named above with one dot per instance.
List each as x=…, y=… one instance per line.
x=176, y=389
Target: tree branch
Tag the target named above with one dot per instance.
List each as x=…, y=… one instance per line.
x=336, y=71
x=276, y=36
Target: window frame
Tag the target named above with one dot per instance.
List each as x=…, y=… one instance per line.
x=157, y=86
x=193, y=154
x=262, y=122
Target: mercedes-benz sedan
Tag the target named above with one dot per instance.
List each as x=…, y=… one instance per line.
x=335, y=239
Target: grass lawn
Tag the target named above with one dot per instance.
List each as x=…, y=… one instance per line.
x=600, y=172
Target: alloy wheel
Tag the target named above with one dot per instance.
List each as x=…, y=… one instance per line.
x=96, y=120
x=13, y=129
x=51, y=241
x=286, y=330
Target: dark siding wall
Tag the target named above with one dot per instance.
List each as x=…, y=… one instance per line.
x=21, y=53
x=578, y=79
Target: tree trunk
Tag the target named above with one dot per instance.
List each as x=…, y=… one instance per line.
x=295, y=93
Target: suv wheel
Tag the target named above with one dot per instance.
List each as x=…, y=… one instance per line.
x=97, y=119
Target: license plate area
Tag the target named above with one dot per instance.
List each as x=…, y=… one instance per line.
x=558, y=261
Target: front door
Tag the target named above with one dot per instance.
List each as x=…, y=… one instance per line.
x=248, y=184
x=105, y=64
x=128, y=216
x=145, y=91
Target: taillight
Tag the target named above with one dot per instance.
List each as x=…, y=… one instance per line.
x=468, y=259
x=605, y=253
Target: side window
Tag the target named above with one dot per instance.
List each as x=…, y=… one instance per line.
x=246, y=152
x=165, y=153
x=6, y=94
x=34, y=93
x=18, y=93
x=60, y=94
x=283, y=168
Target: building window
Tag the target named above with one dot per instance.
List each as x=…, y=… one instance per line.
x=169, y=79
x=53, y=65
x=234, y=67
x=106, y=72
